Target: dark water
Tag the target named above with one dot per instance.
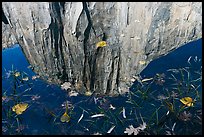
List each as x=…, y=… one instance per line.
x=43, y=114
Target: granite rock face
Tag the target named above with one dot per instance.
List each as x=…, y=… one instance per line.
x=59, y=38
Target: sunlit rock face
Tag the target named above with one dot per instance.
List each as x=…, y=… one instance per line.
x=59, y=38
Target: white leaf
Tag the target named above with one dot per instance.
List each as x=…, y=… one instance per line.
x=124, y=113
x=112, y=107
x=97, y=115
x=173, y=126
x=111, y=129
x=189, y=59
x=73, y=93
x=82, y=115
x=146, y=79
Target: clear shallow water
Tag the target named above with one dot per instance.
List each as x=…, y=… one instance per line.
x=39, y=119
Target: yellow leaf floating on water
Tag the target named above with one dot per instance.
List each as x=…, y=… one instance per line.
x=142, y=62
x=170, y=106
x=20, y=108
x=101, y=44
x=17, y=74
x=65, y=117
x=188, y=101
x=88, y=93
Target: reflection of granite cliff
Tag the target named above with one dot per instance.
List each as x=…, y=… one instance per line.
x=59, y=38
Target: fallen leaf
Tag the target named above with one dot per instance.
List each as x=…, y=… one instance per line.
x=73, y=93
x=25, y=79
x=101, y=44
x=20, y=108
x=111, y=129
x=34, y=77
x=97, y=115
x=66, y=85
x=82, y=115
x=65, y=117
x=142, y=62
x=112, y=107
x=17, y=74
x=188, y=101
x=88, y=93
x=147, y=79
x=124, y=113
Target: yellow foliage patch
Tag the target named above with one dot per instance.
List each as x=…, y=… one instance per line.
x=142, y=62
x=20, y=108
x=88, y=93
x=188, y=101
x=101, y=44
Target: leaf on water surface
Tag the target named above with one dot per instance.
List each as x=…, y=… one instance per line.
x=66, y=85
x=124, y=113
x=173, y=127
x=82, y=115
x=112, y=107
x=25, y=79
x=101, y=44
x=189, y=59
x=147, y=79
x=188, y=101
x=65, y=117
x=73, y=93
x=97, y=133
x=111, y=129
x=17, y=74
x=142, y=62
x=136, y=131
x=20, y=108
x=97, y=115
x=170, y=106
x=88, y=93
x=35, y=77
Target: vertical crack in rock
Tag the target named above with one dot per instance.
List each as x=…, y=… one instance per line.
x=128, y=14
x=4, y=19
x=110, y=78
x=118, y=70
x=88, y=63
x=56, y=28
x=62, y=5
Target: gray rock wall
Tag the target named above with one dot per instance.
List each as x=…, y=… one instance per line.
x=60, y=38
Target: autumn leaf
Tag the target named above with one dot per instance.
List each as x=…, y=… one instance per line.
x=17, y=74
x=142, y=62
x=101, y=44
x=188, y=101
x=25, y=79
x=88, y=93
x=170, y=106
x=20, y=108
x=65, y=117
